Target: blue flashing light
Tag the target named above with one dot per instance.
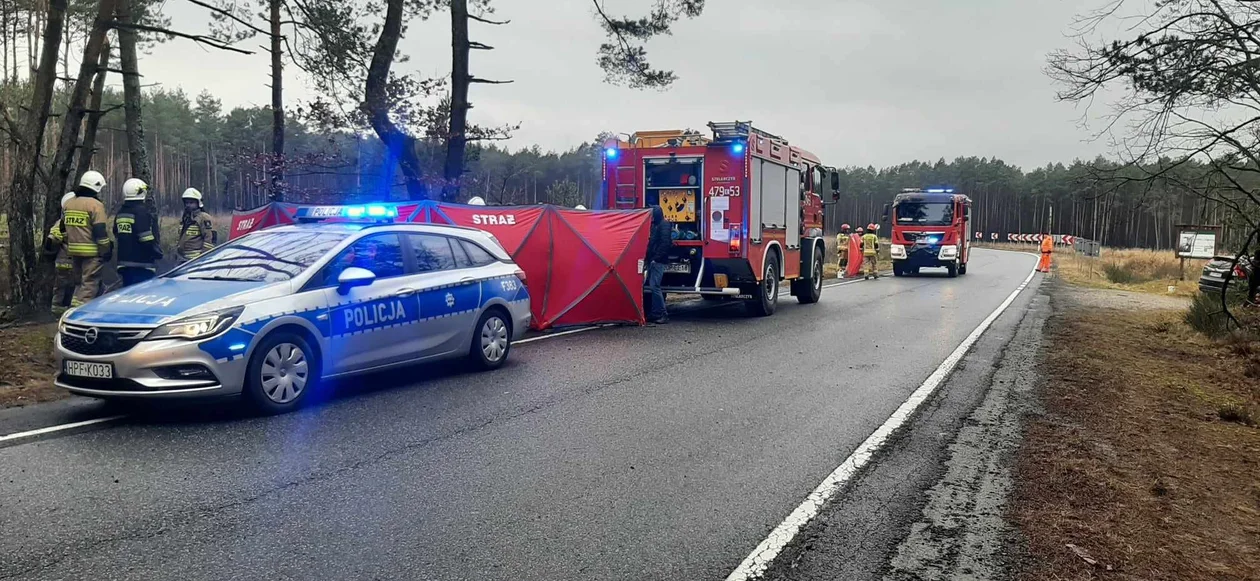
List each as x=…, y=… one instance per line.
x=738, y=148
x=381, y=212
x=237, y=347
x=939, y=190
x=611, y=153
x=355, y=211
x=933, y=239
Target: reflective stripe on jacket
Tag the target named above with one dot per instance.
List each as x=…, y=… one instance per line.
x=195, y=233
x=137, y=242
x=86, y=233
x=870, y=244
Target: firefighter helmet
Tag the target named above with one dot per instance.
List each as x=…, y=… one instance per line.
x=66, y=198
x=844, y=227
x=134, y=189
x=859, y=230
x=872, y=227
x=476, y=201
x=92, y=180
x=193, y=194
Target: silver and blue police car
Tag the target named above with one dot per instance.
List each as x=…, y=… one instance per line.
x=271, y=314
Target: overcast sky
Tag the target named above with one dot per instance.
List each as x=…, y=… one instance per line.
x=857, y=82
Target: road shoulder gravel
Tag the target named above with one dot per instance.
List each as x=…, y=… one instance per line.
x=933, y=506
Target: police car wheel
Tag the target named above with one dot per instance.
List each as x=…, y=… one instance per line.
x=282, y=373
x=491, y=341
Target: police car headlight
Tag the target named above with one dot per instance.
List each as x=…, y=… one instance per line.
x=898, y=250
x=197, y=327
x=61, y=323
x=949, y=252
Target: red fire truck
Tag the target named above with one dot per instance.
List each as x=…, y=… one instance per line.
x=929, y=229
x=745, y=207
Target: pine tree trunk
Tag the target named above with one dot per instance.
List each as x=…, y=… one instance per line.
x=88, y=149
x=401, y=146
x=23, y=282
x=63, y=159
x=136, y=147
x=277, y=105
x=457, y=138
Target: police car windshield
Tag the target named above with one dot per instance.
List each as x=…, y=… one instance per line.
x=927, y=213
x=263, y=257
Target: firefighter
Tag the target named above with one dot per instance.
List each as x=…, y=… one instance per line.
x=196, y=234
x=138, y=250
x=657, y=255
x=87, y=237
x=55, y=245
x=1047, y=247
x=842, y=249
x=870, y=248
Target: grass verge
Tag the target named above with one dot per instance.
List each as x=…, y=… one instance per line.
x=26, y=358
x=1146, y=463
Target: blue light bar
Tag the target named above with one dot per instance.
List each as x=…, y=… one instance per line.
x=373, y=212
x=738, y=147
x=611, y=153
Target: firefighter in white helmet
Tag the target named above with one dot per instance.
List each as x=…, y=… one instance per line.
x=196, y=233
x=137, y=235
x=87, y=236
x=55, y=245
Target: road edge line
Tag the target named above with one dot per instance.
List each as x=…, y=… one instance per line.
x=755, y=564
x=57, y=428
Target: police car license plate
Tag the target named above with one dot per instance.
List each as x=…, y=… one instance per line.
x=89, y=369
x=678, y=267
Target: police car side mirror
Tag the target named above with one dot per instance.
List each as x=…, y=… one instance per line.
x=354, y=276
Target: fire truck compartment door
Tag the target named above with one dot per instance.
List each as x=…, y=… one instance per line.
x=754, y=202
x=770, y=209
x=792, y=208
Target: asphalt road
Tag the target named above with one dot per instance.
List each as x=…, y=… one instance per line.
x=623, y=453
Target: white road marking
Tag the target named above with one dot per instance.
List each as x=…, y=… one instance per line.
x=63, y=427
x=755, y=564
x=560, y=334
x=57, y=428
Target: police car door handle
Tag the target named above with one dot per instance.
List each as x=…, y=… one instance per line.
x=405, y=292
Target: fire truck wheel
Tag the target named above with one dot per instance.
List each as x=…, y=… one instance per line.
x=962, y=268
x=952, y=268
x=766, y=295
x=898, y=270
x=809, y=290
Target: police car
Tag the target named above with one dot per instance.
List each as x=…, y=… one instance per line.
x=271, y=314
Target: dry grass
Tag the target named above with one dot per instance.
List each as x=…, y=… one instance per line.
x=1131, y=269
x=1146, y=458
x=26, y=357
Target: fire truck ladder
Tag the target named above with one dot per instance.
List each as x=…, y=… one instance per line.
x=742, y=130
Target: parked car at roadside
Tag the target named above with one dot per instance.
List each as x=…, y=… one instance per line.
x=271, y=314
x=1213, y=276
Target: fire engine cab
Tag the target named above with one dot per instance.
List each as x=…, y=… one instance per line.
x=745, y=207
x=929, y=229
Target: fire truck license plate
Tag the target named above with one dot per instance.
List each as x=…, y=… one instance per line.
x=678, y=267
